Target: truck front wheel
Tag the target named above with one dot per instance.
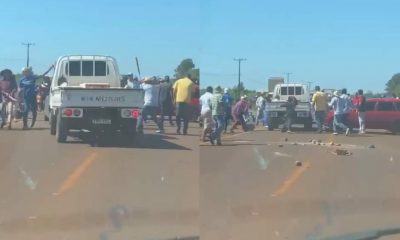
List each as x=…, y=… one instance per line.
x=61, y=130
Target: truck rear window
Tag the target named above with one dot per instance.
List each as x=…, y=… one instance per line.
x=73, y=68
x=292, y=90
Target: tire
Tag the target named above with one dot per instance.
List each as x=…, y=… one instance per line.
x=308, y=125
x=396, y=128
x=272, y=124
x=53, y=123
x=61, y=130
x=46, y=118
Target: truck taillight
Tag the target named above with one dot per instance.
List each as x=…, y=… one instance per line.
x=67, y=112
x=135, y=113
x=130, y=113
x=72, y=112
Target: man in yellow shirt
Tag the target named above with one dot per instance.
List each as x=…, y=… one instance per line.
x=319, y=102
x=183, y=89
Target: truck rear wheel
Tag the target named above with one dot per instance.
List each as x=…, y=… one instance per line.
x=53, y=123
x=272, y=124
x=61, y=130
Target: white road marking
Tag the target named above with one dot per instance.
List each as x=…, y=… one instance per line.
x=28, y=180
x=262, y=162
x=279, y=154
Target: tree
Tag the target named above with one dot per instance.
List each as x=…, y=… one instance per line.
x=184, y=68
x=393, y=85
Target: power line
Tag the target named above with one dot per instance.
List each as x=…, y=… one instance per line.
x=239, y=60
x=28, y=45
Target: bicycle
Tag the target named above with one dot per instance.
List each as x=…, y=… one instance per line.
x=7, y=109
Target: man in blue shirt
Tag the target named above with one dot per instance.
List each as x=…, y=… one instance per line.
x=228, y=102
x=27, y=86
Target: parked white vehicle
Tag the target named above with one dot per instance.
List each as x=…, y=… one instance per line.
x=281, y=93
x=86, y=95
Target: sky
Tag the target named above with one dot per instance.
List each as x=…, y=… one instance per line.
x=334, y=44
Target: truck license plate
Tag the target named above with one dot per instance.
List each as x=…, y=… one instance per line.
x=101, y=121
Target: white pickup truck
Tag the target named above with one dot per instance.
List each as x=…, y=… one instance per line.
x=281, y=93
x=86, y=95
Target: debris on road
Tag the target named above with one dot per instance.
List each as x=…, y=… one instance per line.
x=286, y=139
x=342, y=152
x=391, y=158
x=299, y=163
x=279, y=154
x=294, y=143
x=338, y=144
x=280, y=145
x=332, y=143
x=371, y=146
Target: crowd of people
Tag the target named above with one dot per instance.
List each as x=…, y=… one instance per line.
x=20, y=97
x=218, y=108
x=165, y=99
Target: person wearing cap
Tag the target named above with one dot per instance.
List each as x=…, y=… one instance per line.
x=217, y=111
x=361, y=109
x=205, y=114
x=27, y=85
x=150, y=107
x=338, y=104
x=166, y=104
x=228, y=102
x=182, y=90
x=319, y=102
x=241, y=108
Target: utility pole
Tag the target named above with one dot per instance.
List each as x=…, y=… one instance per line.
x=28, y=45
x=239, y=60
x=288, y=77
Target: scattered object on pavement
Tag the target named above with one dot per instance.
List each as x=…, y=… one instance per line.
x=371, y=146
x=338, y=144
x=391, y=158
x=294, y=143
x=342, y=152
x=279, y=154
x=332, y=143
x=299, y=163
x=319, y=144
x=280, y=145
x=286, y=139
x=311, y=140
x=319, y=141
x=314, y=142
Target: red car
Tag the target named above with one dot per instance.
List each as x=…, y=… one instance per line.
x=382, y=113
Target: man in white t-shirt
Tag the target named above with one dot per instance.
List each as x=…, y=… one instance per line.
x=205, y=103
x=151, y=90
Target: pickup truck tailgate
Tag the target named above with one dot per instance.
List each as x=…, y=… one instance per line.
x=111, y=97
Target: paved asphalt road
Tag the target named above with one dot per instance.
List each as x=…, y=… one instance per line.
x=251, y=188
x=75, y=191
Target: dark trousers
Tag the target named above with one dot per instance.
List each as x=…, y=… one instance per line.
x=182, y=114
x=166, y=110
x=227, y=117
x=148, y=110
x=239, y=120
x=29, y=104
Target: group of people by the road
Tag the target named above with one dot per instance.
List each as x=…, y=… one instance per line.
x=218, y=108
x=22, y=97
x=166, y=99
x=341, y=103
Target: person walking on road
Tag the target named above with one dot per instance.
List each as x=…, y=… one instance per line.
x=183, y=90
x=240, y=109
x=166, y=105
x=8, y=98
x=217, y=109
x=27, y=85
x=228, y=102
x=347, y=109
x=268, y=100
x=338, y=104
x=206, y=115
x=319, y=102
x=150, y=107
x=361, y=108
x=260, y=104
x=290, y=106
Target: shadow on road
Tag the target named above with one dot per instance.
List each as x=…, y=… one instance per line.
x=146, y=141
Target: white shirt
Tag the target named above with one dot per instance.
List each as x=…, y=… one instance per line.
x=151, y=93
x=205, y=102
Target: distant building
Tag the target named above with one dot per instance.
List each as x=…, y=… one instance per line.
x=273, y=81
